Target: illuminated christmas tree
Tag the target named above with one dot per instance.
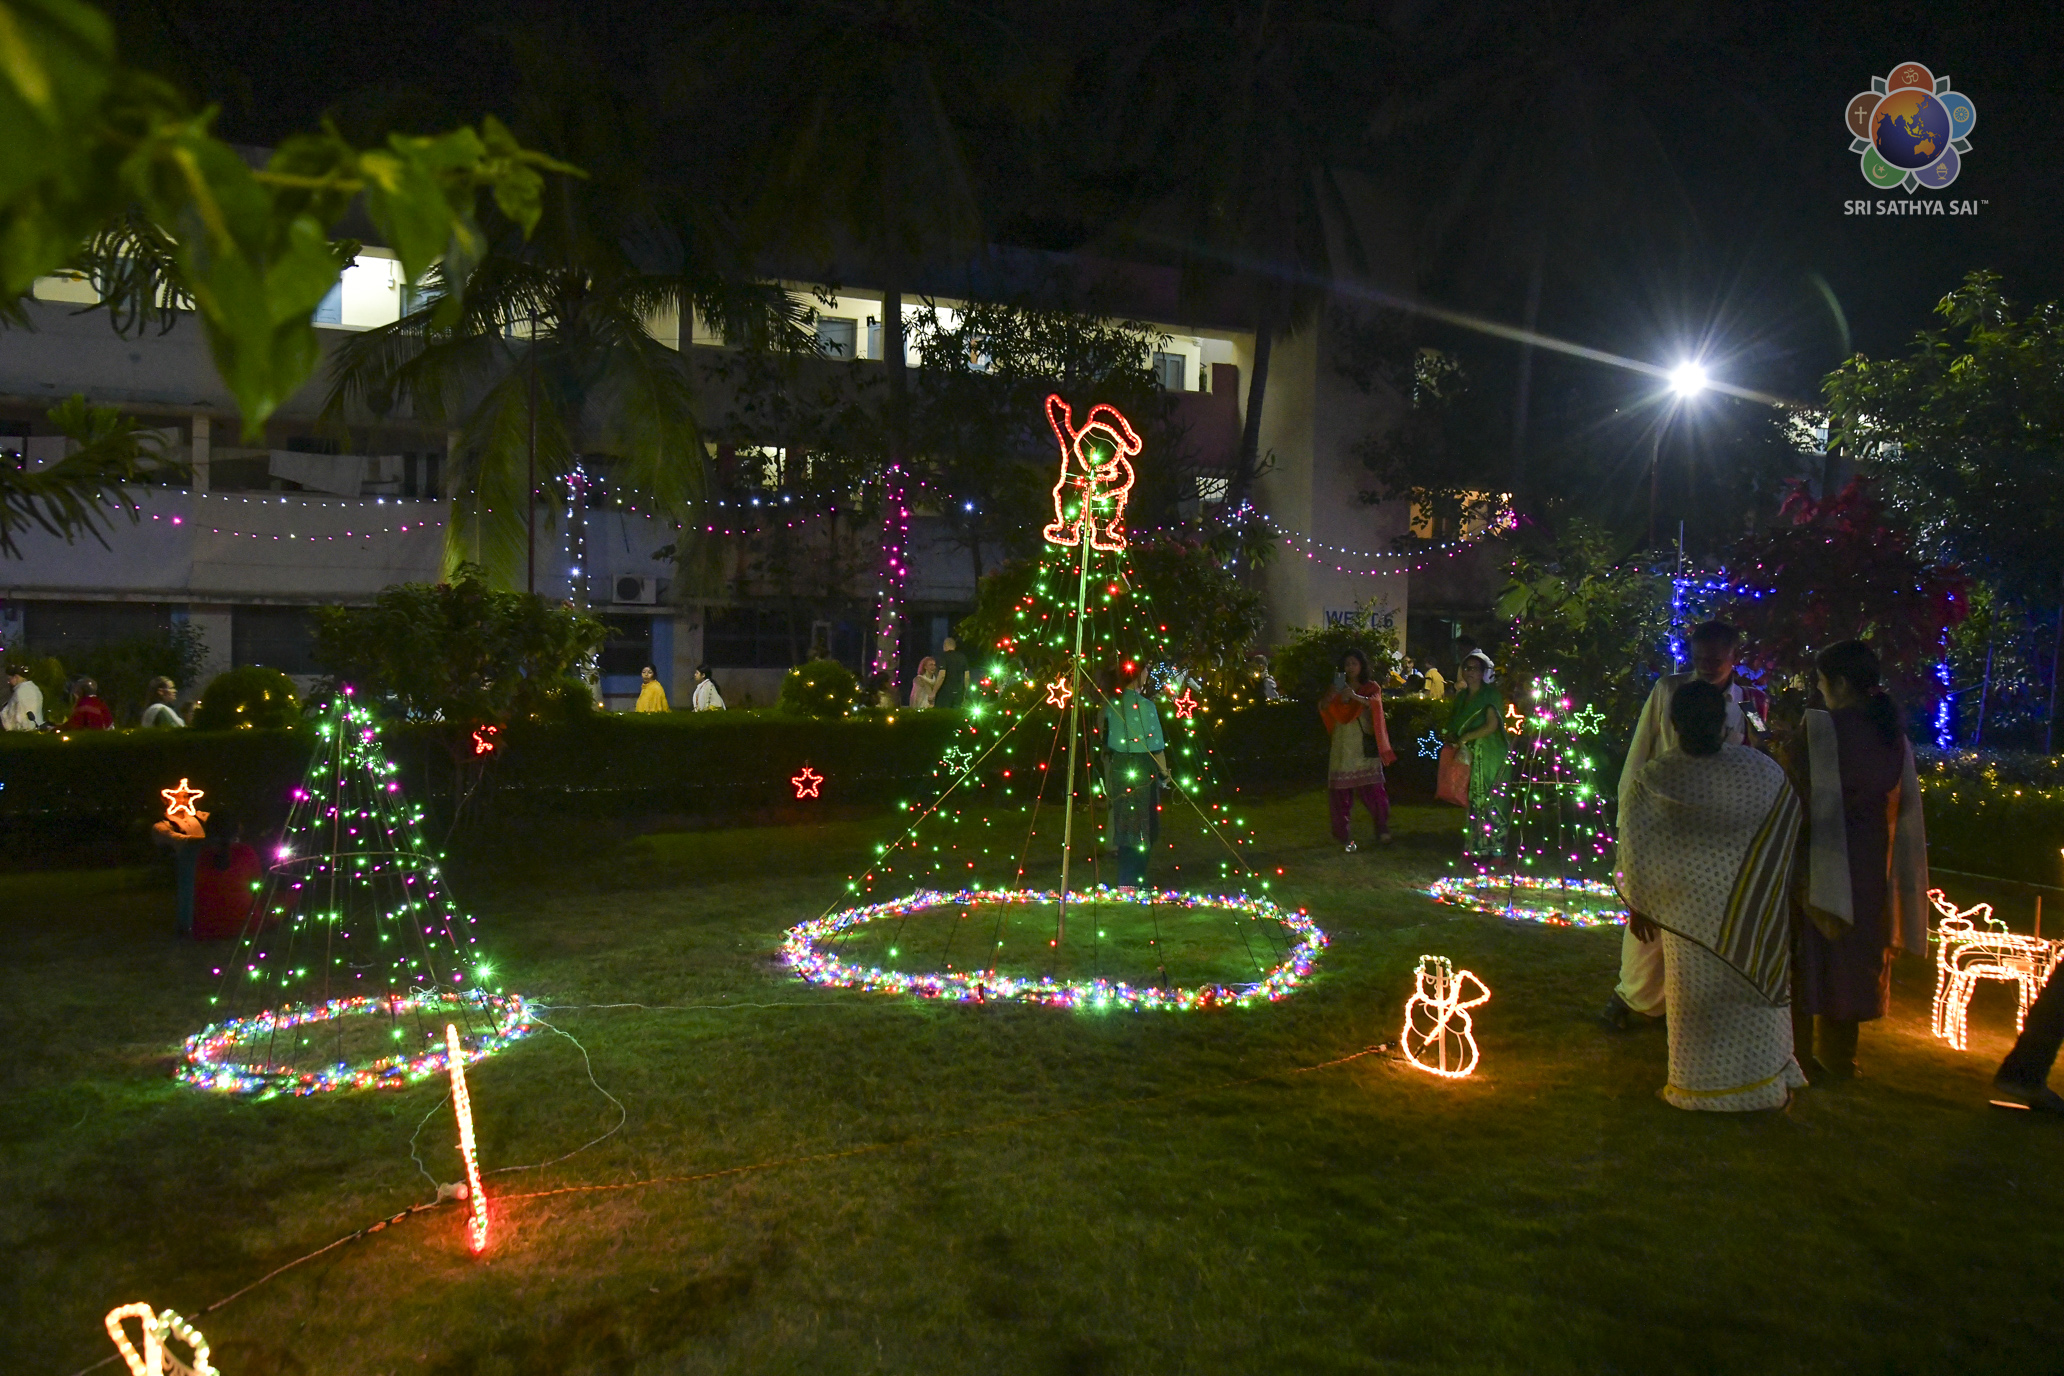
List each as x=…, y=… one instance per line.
x=1004, y=884
x=355, y=958
x=1558, y=861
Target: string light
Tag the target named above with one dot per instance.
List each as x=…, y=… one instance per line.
x=1553, y=815
x=1437, y=1021
x=213, y=1059
x=1430, y=745
x=1966, y=953
x=807, y=783
x=484, y=739
x=462, y=1109
x=805, y=951
x=154, y=1360
x=355, y=924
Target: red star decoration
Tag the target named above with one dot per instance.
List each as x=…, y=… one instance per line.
x=1185, y=705
x=483, y=739
x=179, y=801
x=1058, y=692
x=807, y=783
x=1514, y=722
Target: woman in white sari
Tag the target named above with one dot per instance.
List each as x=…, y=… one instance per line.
x=1706, y=838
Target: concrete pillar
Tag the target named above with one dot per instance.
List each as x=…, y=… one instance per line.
x=200, y=451
x=214, y=622
x=687, y=654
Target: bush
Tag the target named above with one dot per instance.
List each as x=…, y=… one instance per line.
x=822, y=688
x=1304, y=667
x=252, y=697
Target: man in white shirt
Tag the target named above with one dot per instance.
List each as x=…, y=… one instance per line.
x=24, y=709
x=1714, y=645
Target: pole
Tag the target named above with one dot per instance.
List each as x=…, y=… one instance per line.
x=530, y=488
x=1655, y=458
x=1082, y=529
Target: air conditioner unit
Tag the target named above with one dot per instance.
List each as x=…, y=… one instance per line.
x=635, y=591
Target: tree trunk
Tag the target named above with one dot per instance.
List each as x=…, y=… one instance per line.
x=1250, y=435
x=888, y=616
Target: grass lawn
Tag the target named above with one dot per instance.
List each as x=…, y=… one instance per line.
x=1005, y=1189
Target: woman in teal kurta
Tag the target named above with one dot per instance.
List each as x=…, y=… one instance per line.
x=1477, y=725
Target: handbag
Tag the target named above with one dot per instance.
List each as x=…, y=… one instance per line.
x=1453, y=783
x=1370, y=750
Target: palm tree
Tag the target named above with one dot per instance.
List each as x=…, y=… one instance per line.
x=868, y=103
x=1246, y=102
x=554, y=353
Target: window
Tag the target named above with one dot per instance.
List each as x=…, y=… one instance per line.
x=629, y=647
x=66, y=629
x=280, y=638
x=873, y=337
x=1169, y=371
x=837, y=336
x=749, y=638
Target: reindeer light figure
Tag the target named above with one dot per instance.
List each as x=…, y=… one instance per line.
x=1966, y=953
x=1439, y=1037
x=1095, y=466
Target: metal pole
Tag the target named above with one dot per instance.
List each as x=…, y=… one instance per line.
x=1082, y=530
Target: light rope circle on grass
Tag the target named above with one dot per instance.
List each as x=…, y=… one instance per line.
x=1527, y=899
x=210, y=1061
x=804, y=952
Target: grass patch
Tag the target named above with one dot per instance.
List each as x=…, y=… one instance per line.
x=1027, y=1190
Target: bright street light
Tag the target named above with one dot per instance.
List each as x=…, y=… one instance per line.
x=1688, y=379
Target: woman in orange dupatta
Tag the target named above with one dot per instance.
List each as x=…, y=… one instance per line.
x=1360, y=747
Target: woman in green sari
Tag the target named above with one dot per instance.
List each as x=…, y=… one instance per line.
x=1477, y=726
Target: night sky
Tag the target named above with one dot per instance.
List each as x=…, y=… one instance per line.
x=1728, y=223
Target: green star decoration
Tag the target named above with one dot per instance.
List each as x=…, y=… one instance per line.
x=1587, y=721
x=957, y=757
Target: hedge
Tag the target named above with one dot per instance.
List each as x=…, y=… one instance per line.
x=90, y=797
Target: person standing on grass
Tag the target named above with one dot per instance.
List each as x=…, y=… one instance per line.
x=924, y=688
x=2023, y=1077
x=164, y=706
x=954, y=665
x=651, y=695
x=1477, y=725
x=1358, y=748
x=1706, y=838
x=24, y=709
x=89, y=713
x=1714, y=648
x=707, y=698
x=1861, y=892
x=1135, y=763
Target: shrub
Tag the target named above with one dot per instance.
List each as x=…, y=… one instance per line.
x=1304, y=666
x=819, y=688
x=250, y=697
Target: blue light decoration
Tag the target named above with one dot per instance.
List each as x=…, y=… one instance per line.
x=1430, y=746
x=1945, y=715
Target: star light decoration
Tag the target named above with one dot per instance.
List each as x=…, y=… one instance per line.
x=1430, y=746
x=1515, y=723
x=957, y=758
x=484, y=739
x=1058, y=692
x=179, y=802
x=1587, y=721
x=1185, y=705
x=807, y=783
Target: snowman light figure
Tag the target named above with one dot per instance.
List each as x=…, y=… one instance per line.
x=156, y=1359
x=1438, y=1036
x=1095, y=467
